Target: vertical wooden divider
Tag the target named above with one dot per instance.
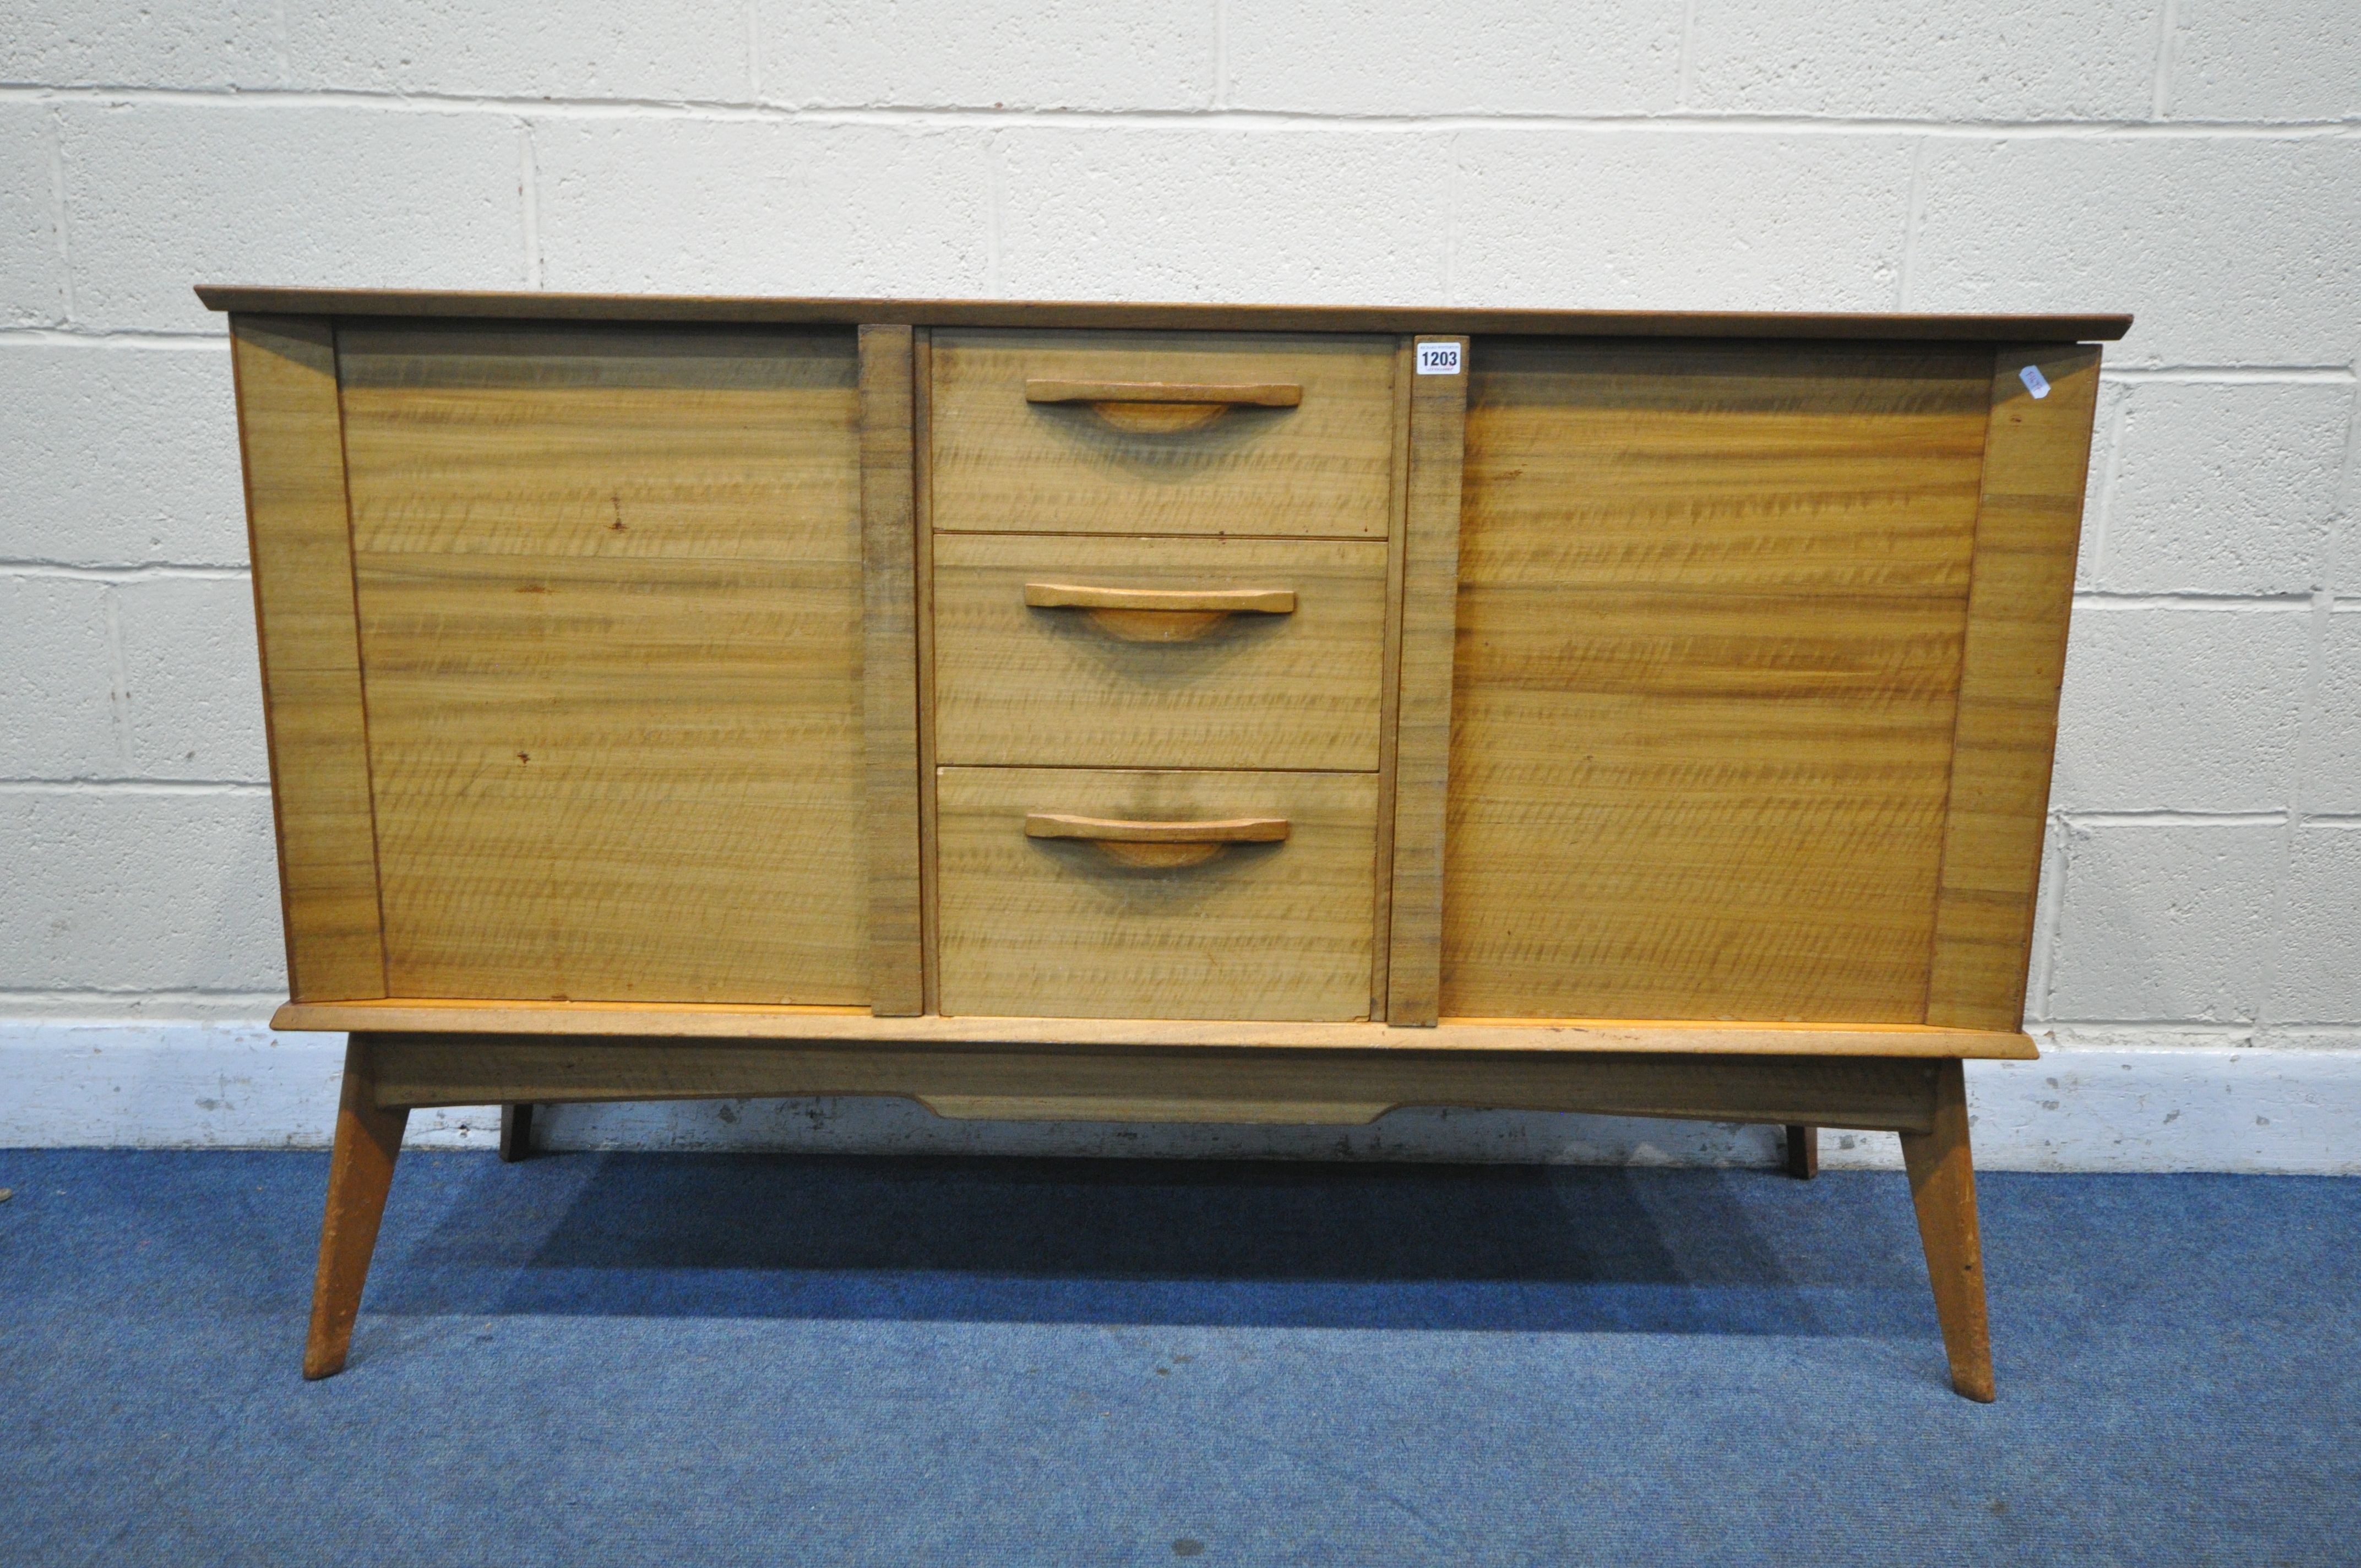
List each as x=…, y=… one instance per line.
x=922, y=363
x=1430, y=600
x=291, y=429
x=889, y=676
x=1389, y=700
x=2028, y=527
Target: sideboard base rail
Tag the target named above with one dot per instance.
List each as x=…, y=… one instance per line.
x=389, y=1074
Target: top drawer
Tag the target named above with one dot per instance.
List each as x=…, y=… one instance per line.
x=1007, y=461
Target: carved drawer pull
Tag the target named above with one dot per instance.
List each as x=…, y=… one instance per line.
x=1165, y=408
x=1159, y=615
x=1156, y=844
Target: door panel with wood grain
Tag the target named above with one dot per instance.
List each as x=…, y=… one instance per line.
x=609, y=598
x=1711, y=609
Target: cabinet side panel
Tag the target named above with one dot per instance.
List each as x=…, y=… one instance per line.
x=2036, y=452
x=1438, y=429
x=611, y=604
x=890, y=670
x=1711, y=604
x=301, y=547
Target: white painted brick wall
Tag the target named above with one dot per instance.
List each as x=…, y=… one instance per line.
x=1473, y=57
x=137, y=43
x=636, y=205
x=131, y=889
x=59, y=722
x=161, y=194
x=2332, y=778
x=1184, y=212
x=2195, y=161
x=986, y=54
x=2233, y=248
x=2225, y=487
x=1931, y=59
x=32, y=257
x=2299, y=61
x=2181, y=708
x=2164, y=922
x=2320, y=951
x=120, y=451
x=1763, y=222
x=682, y=50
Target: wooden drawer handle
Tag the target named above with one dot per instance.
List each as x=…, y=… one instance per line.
x=1229, y=394
x=1159, y=615
x=1165, y=408
x=1156, y=844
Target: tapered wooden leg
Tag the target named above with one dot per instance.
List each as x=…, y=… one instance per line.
x=1803, y=1153
x=360, y=1172
x=516, y=1132
x=1943, y=1187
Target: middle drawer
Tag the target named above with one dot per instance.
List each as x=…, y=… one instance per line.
x=1157, y=652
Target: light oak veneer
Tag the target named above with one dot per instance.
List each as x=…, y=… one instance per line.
x=1005, y=463
x=1019, y=683
x=1160, y=712
x=609, y=600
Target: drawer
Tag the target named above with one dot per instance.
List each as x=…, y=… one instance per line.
x=1290, y=680
x=1087, y=927
x=1021, y=445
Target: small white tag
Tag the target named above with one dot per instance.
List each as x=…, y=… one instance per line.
x=1438, y=359
x=2035, y=381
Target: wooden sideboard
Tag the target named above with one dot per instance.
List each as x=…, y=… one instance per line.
x=1178, y=713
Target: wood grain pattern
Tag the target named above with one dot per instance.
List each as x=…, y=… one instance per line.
x=609, y=586
x=1943, y=1190
x=1190, y=602
x=1092, y=316
x=1005, y=465
x=473, y=1069
x=292, y=435
x=1389, y=695
x=2036, y=452
x=1711, y=618
x=1258, y=394
x=857, y=1024
x=922, y=381
x=360, y=1174
x=889, y=677
x=1030, y=686
x=1264, y=930
x=1438, y=424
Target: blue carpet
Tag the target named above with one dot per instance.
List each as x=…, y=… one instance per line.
x=648, y=1359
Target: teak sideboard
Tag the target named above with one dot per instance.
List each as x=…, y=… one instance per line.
x=1180, y=713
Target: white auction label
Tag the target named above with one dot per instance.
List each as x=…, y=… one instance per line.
x=1438, y=359
x=2035, y=381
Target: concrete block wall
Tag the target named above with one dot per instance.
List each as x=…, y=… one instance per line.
x=2194, y=162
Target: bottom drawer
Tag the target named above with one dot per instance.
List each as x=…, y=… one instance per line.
x=1093, y=922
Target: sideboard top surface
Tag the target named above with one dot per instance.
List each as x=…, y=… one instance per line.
x=1115, y=315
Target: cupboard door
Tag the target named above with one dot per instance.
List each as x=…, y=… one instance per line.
x=609, y=596
x=1712, y=605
